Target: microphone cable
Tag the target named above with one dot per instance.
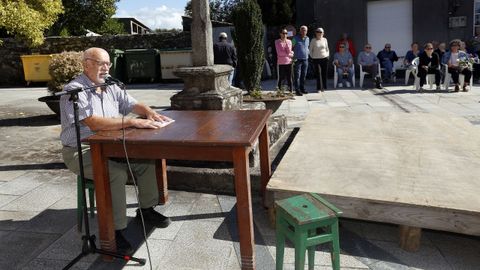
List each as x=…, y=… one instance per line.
x=124, y=88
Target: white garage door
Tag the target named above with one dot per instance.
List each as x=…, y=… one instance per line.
x=390, y=21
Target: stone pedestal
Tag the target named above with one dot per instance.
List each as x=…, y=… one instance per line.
x=206, y=88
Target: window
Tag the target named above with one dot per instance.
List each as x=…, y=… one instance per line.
x=476, y=18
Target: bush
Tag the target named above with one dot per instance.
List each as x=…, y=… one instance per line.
x=63, y=68
x=247, y=19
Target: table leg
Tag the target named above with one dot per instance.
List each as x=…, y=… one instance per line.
x=244, y=207
x=103, y=194
x=265, y=167
x=161, y=172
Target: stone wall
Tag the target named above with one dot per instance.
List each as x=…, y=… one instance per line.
x=11, y=65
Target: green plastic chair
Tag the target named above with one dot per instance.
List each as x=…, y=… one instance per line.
x=307, y=220
x=80, y=193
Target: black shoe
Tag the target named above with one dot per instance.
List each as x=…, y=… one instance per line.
x=304, y=91
x=298, y=93
x=154, y=218
x=123, y=246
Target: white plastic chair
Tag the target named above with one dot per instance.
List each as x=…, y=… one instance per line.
x=448, y=78
x=430, y=77
x=363, y=73
x=335, y=76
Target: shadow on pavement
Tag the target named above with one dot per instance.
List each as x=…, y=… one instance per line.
x=31, y=121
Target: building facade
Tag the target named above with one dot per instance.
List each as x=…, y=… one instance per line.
x=399, y=22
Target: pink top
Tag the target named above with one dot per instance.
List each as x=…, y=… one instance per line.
x=284, y=51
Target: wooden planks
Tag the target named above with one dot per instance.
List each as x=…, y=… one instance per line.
x=418, y=170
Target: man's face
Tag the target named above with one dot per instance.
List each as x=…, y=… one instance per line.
x=368, y=48
x=388, y=47
x=96, y=66
x=303, y=31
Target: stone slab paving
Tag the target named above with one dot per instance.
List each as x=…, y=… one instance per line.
x=38, y=196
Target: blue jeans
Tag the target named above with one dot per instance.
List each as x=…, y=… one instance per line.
x=388, y=66
x=340, y=75
x=301, y=66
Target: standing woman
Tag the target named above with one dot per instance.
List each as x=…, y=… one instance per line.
x=283, y=47
x=319, y=52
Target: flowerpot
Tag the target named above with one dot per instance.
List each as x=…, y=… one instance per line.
x=53, y=102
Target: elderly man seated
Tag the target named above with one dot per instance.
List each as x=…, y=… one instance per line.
x=387, y=56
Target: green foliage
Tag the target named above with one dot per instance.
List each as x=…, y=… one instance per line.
x=277, y=12
x=63, y=68
x=81, y=15
x=247, y=19
x=112, y=27
x=27, y=19
x=220, y=10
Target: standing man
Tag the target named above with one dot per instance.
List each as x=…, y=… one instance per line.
x=101, y=110
x=369, y=63
x=300, y=45
x=225, y=54
x=387, y=56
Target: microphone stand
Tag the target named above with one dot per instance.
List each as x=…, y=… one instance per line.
x=88, y=239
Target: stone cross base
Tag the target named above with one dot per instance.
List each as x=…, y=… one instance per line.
x=206, y=88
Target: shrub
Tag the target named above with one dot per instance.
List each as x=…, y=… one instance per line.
x=63, y=68
x=247, y=19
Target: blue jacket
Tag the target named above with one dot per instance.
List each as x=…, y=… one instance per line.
x=300, y=47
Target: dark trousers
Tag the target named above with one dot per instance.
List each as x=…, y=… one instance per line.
x=301, y=67
x=285, y=73
x=455, y=72
x=320, y=66
x=422, y=74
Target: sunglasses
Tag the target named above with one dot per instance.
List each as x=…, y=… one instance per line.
x=387, y=47
x=342, y=47
x=428, y=48
x=368, y=47
x=284, y=33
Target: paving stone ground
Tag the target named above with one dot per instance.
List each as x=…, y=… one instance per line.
x=38, y=196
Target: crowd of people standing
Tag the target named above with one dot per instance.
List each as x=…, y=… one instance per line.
x=294, y=53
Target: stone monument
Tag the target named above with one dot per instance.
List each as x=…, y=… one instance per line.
x=206, y=86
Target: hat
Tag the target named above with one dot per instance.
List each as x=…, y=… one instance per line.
x=222, y=35
x=319, y=30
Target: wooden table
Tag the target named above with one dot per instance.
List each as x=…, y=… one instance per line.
x=196, y=135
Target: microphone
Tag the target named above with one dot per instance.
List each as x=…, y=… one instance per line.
x=111, y=80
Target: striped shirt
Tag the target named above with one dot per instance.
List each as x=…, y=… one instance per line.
x=108, y=103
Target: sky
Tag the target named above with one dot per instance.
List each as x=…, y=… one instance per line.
x=153, y=13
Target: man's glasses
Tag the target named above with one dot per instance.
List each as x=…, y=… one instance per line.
x=100, y=63
x=387, y=47
x=342, y=47
x=368, y=47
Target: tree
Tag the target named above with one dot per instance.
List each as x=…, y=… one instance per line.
x=27, y=19
x=247, y=19
x=220, y=10
x=277, y=12
x=81, y=15
x=111, y=27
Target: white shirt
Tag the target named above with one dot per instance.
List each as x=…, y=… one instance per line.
x=319, y=48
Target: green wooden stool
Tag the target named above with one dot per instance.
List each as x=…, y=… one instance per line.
x=80, y=193
x=307, y=220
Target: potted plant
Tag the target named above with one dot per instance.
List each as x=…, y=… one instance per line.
x=63, y=68
x=248, y=37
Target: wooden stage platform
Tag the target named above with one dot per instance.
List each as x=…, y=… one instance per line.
x=413, y=169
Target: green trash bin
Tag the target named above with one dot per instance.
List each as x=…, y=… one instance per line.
x=142, y=65
x=117, y=58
